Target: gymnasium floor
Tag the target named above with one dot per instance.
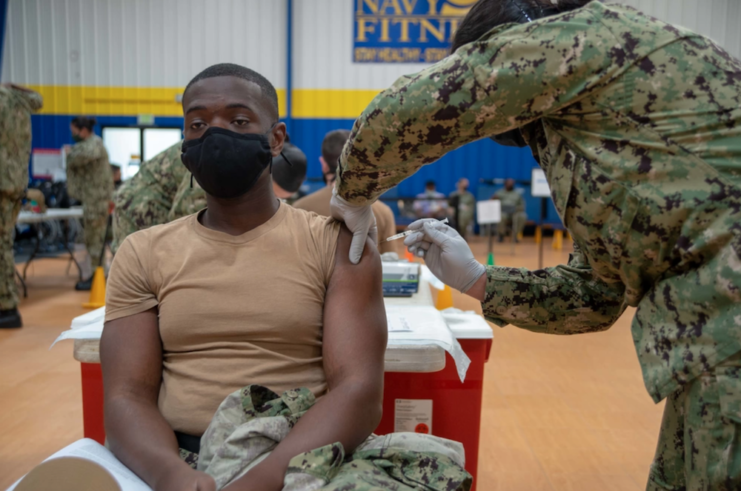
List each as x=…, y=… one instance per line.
x=559, y=413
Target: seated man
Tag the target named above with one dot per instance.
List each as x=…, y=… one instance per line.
x=431, y=204
x=246, y=291
x=513, y=210
x=318, y=201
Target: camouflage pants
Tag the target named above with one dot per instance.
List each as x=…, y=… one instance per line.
x=512, y=221
x=95, y=218
x=700, y=442
x=252, y=421
x=10, y=206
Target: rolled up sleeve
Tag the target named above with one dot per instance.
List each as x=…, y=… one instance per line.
x=566, y=299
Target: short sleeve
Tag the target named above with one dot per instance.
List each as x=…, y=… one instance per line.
x=128, y=290
x=327, y=233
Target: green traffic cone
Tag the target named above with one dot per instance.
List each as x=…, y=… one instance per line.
x=490, y=259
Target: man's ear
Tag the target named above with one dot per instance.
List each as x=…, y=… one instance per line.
x=325, y=167
x=278, y=138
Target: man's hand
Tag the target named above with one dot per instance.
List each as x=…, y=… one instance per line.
x=359, y=220
x=446, y=253
x=186, y=480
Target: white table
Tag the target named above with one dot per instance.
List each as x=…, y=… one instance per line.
x=399, y=358
x=51, y=214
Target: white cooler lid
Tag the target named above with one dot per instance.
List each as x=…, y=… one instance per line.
x=467, y=325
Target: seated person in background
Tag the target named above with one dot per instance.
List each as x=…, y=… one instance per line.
x=117, y=181
x=466, y=204
x=318, y=201
x=161, y=191
x=513, y=210
x=248, y=291
x=431, y=204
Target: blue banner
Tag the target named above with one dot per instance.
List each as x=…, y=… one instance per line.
x=405, y=31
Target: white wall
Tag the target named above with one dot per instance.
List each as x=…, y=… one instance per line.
x=719, y=20
x=140, y=43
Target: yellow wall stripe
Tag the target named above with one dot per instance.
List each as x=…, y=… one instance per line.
x=330, y=103
x=117, y=101
x=161, y=101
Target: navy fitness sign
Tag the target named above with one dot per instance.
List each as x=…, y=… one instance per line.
x=406, y=31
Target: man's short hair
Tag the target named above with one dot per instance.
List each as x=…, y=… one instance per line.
x=332, y=146
x=232, y=70
x=430, y=184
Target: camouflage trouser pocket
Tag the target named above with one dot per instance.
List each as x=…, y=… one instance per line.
x=729, y=392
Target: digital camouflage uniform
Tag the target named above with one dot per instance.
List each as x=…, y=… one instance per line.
x=252, y=421
x=90, y=180
x=16, y=107
x=513, y=211
x=466, y=209
x=159, y=193
x=637, y=125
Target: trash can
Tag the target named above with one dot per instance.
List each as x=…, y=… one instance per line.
x=438, y=403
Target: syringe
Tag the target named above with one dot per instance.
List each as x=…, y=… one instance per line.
x=408, y=232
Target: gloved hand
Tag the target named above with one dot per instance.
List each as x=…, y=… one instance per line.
x=446, y=253
x=358, y=219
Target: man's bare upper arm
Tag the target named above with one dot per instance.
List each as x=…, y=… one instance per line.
x=355, y=329
x=131, y=356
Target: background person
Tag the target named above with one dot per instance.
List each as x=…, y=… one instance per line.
x=513, y=210
x=16, y=105
x=116, y=171
x=430, y=203
x=318, y=201
x=89, y=180
x=466, y=204
x=637, y=125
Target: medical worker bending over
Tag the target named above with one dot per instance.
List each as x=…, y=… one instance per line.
x=637, y=124
x=247, y=291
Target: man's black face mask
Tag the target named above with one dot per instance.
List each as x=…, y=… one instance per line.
x=227, y=164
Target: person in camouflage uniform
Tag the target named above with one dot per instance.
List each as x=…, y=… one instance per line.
x=89, y=179
x=252, y=421
x=513, y=210
x=466, y=205
x=637, y=124
x=16, y=105
x=163, y=191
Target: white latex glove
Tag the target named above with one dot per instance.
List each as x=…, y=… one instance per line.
x=446, y=253
x=358, y=219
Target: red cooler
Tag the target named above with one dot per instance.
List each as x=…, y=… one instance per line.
x=438, y=403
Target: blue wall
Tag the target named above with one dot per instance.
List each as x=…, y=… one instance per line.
x=483, y=159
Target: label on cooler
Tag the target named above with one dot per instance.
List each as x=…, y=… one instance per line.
x=413, y=415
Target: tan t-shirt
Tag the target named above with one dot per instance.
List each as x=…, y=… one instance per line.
x=318, y=202
x=233, y=310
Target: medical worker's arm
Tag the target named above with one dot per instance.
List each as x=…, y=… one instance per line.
x=354, y=344
x=507, y=79
x=566, y=299
x=145, y=200
x=137, y=433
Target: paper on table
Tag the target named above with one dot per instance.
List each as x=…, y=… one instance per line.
x=87, y=326
x=426, y=325
x=94, y=451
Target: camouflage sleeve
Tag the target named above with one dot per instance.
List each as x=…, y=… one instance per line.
x=146, y=199
x=32, y=98
x=83, y=154
x=520, y=203
x=511, y=76
x=567, y=299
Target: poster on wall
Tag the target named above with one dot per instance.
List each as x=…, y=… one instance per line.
x=405, y=31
